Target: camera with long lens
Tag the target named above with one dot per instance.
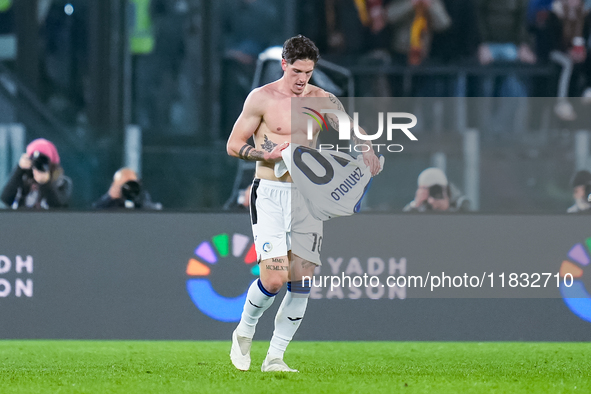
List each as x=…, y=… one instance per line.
x=40, y=161
x=588, y=192
x=131, y=193
x=436, y=191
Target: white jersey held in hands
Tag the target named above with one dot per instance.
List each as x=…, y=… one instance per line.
x=333, y=183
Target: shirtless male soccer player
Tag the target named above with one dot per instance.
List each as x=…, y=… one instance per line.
x=285, y=242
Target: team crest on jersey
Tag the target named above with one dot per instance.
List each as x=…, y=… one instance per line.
x=267, y=247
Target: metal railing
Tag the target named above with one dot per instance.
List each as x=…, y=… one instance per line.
x=462, y=72
x=78, y=155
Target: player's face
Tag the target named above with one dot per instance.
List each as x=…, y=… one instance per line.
x=298, y=74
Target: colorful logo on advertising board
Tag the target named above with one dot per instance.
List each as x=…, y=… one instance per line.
x=222, y=249
x=576, y=297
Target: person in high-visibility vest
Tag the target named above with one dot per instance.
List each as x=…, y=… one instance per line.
x=5, y=5
x=141, y=35
x=6, y=18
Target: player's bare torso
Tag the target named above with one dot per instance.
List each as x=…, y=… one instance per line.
x=279, y=124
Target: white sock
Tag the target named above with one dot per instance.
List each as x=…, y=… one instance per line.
x=288, y=319
x=258, y=300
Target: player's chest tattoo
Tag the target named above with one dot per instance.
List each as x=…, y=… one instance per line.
x=267, y=144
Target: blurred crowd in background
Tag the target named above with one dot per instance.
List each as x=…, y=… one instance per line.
x=181, y=69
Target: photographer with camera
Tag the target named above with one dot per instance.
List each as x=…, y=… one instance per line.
x=581, y=183
x=126, y=192
x=435, y=194
x=38, y=182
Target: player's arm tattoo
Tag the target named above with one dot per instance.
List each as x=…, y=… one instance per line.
x=333, y=121
x=336, y=101
x=268, y=145
x=247, y=152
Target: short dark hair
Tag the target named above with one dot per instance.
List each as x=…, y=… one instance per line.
x=581, y=178
x=300, y=48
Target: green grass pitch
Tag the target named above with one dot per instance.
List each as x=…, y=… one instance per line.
x=325, y=367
